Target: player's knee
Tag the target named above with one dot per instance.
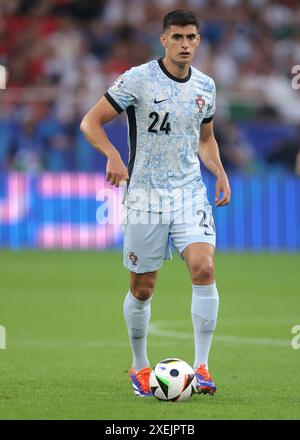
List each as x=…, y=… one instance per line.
x=142, y=293
x=203, y=272
x=142, y=290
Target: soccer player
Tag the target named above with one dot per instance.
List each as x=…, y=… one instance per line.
x=170, y=107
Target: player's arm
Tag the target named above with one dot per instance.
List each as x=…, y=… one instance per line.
x=210, y=156
x=91, y=127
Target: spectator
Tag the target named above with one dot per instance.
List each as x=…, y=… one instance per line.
x=286, y=155
x=236, y=153
x=71, y=50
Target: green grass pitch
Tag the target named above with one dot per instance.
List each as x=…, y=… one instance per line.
x=68, y=356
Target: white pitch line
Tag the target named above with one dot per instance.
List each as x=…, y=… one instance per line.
x=60, y=343
x=157, y=330
x=76, y=344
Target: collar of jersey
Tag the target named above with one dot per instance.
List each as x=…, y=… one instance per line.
x=174, y=78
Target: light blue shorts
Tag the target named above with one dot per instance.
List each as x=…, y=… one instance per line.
x=148, y=235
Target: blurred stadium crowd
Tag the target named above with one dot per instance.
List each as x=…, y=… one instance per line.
x=61, y=55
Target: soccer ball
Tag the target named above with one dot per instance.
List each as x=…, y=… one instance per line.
x=172, y=380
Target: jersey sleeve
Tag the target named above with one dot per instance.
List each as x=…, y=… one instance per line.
x=124, y=92
x=212, y=106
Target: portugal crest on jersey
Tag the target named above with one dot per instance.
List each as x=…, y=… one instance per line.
x=200, y=103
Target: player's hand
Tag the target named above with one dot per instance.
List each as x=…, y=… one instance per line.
x=223, y=191
x=116, y=170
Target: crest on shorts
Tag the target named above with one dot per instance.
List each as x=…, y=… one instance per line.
x=200, y=103
x=133, y=258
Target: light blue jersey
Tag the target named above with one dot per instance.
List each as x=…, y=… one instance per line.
x=164, y=122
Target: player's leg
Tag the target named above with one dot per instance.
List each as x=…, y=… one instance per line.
x=194, y=237
x=145, y=248
x=205, y=303
x=205, y=299
x=137, y=312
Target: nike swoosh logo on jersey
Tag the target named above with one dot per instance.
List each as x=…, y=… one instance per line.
x=162, y=100
x=207, y=233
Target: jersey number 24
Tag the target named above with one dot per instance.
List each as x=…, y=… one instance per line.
x=165, y=126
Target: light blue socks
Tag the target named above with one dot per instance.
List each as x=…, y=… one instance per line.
x=205, y=305
x=137, y=316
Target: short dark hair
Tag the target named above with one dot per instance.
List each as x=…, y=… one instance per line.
x=180, y=17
